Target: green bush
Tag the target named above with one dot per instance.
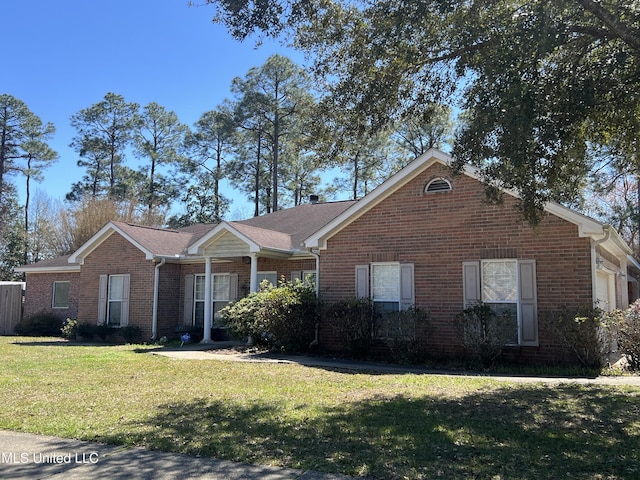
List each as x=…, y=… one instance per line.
x=131, y=333
x=86, y=330
x=629, y=335
x=353, y=320
x=399, y=330
x=281, y=318
x=484, y=332
x=40, y=324
x=69, y=329
x=585, y=332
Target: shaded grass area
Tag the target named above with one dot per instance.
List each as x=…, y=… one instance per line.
x=382, y=426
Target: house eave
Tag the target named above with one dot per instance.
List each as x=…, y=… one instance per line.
x=58, y=269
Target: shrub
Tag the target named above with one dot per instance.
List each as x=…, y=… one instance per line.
x=86, y=330
x=629, y=335
x=399, y=329
x=353, y=320
x=484, y=332
x=69, y=329
x=131, y=333
x=585, y=332
x=104, y=330
x=282, y=317
x=40, y=324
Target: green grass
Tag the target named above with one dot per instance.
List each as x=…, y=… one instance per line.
x=383, y=426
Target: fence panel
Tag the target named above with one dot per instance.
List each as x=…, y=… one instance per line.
x=10, y=306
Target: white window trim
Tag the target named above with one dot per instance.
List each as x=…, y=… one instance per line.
x=515, y=302
x=121, y=300
x=53, y=295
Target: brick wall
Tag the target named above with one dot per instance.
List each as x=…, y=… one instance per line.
x=39, y=294
x=437, y=232
x=113, y=257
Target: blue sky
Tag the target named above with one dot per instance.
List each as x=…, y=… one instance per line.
x=65, y=55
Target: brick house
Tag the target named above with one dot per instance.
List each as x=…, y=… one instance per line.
x=424, y=237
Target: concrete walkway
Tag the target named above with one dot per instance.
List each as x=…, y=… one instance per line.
x=213, y=352
x=24, y=456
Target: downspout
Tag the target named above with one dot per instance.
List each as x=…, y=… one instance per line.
x=316, y=254
x=594, y=264
x=156, y=288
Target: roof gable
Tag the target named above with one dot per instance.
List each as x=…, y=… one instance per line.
x=587, y=227
x=281, y=231
x=153, y=242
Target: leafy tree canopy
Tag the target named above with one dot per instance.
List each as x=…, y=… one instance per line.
x=541, y=81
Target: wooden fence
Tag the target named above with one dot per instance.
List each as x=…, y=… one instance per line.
x=10, y=306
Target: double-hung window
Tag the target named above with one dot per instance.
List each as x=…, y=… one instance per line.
x=508, y=286
x=221, y=295
x=388, y=284
x=271, y=277
x=116, y=298
x=113, y=303
x=60, y=298
x=385, y=286
x=500, y=290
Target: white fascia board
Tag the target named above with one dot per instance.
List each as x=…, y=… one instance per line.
x=198, y=247
x=59, y=269
x=94, y=242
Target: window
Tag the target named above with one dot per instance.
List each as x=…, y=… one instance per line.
x=271, y=277
x=500, y=289
x=113, y=302
x=60, y=295
x=509, y=287
x=116, y=297
x=221, y=295
x=389, y=284
x=308, y=277
x=385, y=286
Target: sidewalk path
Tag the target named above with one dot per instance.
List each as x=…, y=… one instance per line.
x=214, y=352
x=24, y=456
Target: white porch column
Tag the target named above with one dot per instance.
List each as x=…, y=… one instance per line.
x=253, y=284
x=206, y=338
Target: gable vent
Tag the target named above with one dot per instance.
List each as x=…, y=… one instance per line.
x=438, y=185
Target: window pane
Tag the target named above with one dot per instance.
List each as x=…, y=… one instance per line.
x=309, y=278
x=507, y=314
x=499, y=283
x=198, y=318
x=116, y=287
x=61, y=295
x=198, y=292
x=385, y=281
x=271, y=277
x=115, y=313
x=221, y=287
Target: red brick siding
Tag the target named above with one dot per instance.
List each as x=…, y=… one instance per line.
x=39, y=294
x=437, y=232
x=113, y=257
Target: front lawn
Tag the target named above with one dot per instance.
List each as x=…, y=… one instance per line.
x=382, y=426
